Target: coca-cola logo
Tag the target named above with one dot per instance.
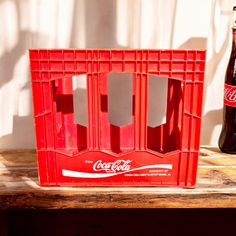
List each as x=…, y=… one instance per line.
x=112, y=167
x=230, y=94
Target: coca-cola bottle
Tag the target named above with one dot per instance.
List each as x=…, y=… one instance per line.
x=227, y=140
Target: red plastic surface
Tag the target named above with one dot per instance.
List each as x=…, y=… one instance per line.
x=101, y=153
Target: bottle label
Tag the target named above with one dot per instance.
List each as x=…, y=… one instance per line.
x=230, y=95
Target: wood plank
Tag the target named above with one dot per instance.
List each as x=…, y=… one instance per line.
x=45, y=199
x=213, y=156
x=19, y=187
x=222, y=178
x=17, y=158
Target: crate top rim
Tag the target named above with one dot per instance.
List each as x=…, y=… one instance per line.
x=115, y=49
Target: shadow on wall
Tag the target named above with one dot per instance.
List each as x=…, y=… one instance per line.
x=211, y=120
x=195, y=43
x=8, y=61
x=22, y=133
x=26, y=39
x=94, y=16
x=97, y=16
x=21, y=136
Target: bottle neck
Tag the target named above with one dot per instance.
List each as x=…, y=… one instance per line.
x=234, y=29
x=233, y=41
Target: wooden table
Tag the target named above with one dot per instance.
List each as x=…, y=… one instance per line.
x=19, y=187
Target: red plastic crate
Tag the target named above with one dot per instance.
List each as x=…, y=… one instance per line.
x=100, y=153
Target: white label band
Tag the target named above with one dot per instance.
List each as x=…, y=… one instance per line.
x=77, y=174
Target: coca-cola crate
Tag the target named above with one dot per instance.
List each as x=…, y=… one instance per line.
x=157, y=97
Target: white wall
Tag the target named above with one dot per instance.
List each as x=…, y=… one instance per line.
x=110, y=24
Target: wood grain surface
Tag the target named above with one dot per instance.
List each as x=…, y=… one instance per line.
x=19, y=189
